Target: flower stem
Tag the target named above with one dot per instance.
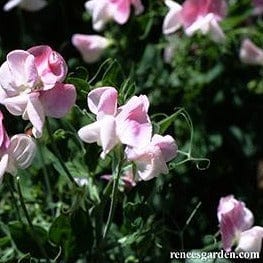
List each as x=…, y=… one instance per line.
x=10, y=186
x=117, y=164
x=58, y=155
x=28, y=219
x=46, y=177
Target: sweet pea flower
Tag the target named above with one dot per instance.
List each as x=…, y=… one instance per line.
x=235, y=221
x=258, y=7
x=28, y=5
x=17, y=152
x=104, y=11
x=195, y=15
x=127, y=178
x=31, y=85
x=128, y=124
x=90, y=47
x=151, y=159
x=250, y=54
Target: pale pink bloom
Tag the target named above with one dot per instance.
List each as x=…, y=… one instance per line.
x=250, y=54
x=104, y=11
x=28, y=5
x=91, y=47
x=250, y=240
x=31, y=86
x=258, y=7
x=195, y=15
x=151, y=159
x=127, y=177
x=234, y=218
x=129, y=124
x=17, y=152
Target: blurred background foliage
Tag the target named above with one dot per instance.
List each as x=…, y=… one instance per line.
x=222, y=96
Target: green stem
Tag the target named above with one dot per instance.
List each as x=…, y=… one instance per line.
x=58, y=155
x=117, y=163
x=22, y=202
x=29, y=221
x=10, y=186
x=46, y=177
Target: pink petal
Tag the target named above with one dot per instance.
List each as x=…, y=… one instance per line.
x=149, y=162
x=108, y=136
x=23, y=150
x=58, y=101
x=90, y=133
x=250, y=54
x=138, y=7
x=50, y=65
x=251, y=240
x=167, y=146
x=133, y=123
x=194, y=9
x=172, y=21
x=16, y=105
x=3, y=166
x=35, y=113
x=103, y=101
x=91, y=47
x=234, y=218
x=121, y=11
x=4, y=139
x=100, y=13
x=22, y=68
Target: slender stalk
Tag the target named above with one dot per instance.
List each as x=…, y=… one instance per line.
x=28, y=219
x=10, y=186
x=22, y=202
x=117, y=163
x=46, y=177
x=58, y=155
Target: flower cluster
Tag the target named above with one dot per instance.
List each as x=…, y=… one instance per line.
x=104, y=11
x=195, y=15
x=235, y=221
x=130, y=125
x=31, y=85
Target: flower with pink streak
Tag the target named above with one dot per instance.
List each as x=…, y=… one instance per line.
x=150, y=160
x=31, y=85
x=128, y=124
x=235, y=221
x=258, y=7
x=127, y=177
x=17, y=152
x=250, y=54
x=90, y=47
x=28, y=5
x=104, y=11
x=195, y=15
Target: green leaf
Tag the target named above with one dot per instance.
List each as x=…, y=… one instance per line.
x=73, y=233
x=30, y=241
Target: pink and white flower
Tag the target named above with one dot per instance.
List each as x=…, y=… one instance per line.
x=17, y=152
x=195, y=15
x=128, y=124
x=151, y=159
x=31, y=85
x=104, y=11
x=250, y=53
x=91, y=47
x=235, y=221
x=258, y=7
x=28, y=5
